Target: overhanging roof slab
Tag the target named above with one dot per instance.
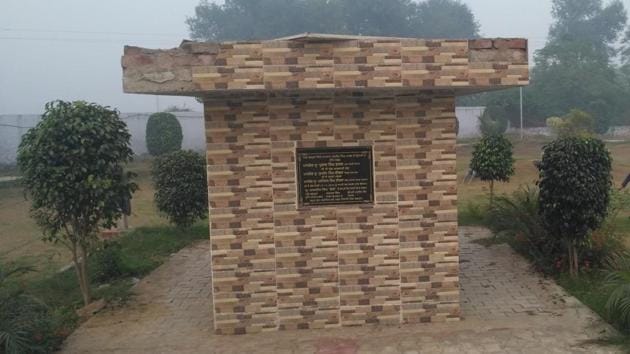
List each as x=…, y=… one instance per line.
x=319, y=62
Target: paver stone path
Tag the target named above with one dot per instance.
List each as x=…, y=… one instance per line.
x=506, y=309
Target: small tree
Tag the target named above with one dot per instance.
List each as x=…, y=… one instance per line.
x=181, y=187
x=72, y=165
x=492, y=160
x=164, y=134
x=575, y=184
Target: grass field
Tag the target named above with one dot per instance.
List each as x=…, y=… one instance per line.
x=525, y=153
x=20, y=237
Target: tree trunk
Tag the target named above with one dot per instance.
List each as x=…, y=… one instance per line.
x=570, y=254
x=79, y=258
x=85, y=289
x=491, y=192
x=574, y=262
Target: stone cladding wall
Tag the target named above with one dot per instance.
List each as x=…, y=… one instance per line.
x=277, y=265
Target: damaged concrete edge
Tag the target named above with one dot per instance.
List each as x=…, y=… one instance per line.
x=165, y=71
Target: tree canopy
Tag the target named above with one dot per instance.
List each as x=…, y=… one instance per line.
x=266, y=19
x=584, y=30
x=492, y=160
x=577, y=68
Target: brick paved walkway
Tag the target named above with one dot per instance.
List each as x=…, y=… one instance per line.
x=506, y=309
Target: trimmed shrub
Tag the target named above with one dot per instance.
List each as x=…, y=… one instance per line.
x=164, y=134
x=181, y=189
x=492, y=160
x=575, y=185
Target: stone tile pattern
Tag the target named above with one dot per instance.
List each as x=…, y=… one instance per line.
x=276, y=265
x=506, y=308
x=285, y=65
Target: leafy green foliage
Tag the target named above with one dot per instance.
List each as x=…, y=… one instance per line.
x=618, y=304
x=472, y=214
x=576, y=123
x=575, y=184
x=164, y=134
x=181, y=189
x=517, y=215
x=617, y=280
x=517, y=219
x=72, y=165
x=492, y=160
x=258, y=19
x=24, y=321
x=108, y=263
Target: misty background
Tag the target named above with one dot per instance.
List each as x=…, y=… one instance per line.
x=71, y=49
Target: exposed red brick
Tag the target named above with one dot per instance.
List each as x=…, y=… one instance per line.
x=516, y=43
x=480, y=44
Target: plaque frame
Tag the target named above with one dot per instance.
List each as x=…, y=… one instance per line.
x=300, y=186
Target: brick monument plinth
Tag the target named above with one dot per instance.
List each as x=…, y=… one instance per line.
x=331, y=171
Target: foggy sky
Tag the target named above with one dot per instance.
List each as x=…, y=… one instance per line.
x=38, y=65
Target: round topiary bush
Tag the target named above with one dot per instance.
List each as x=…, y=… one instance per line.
x=575, y=184
x=181, y=189
x=492, y=160
x=164, y=134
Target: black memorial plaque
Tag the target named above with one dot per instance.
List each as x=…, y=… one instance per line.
x=334, y=176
